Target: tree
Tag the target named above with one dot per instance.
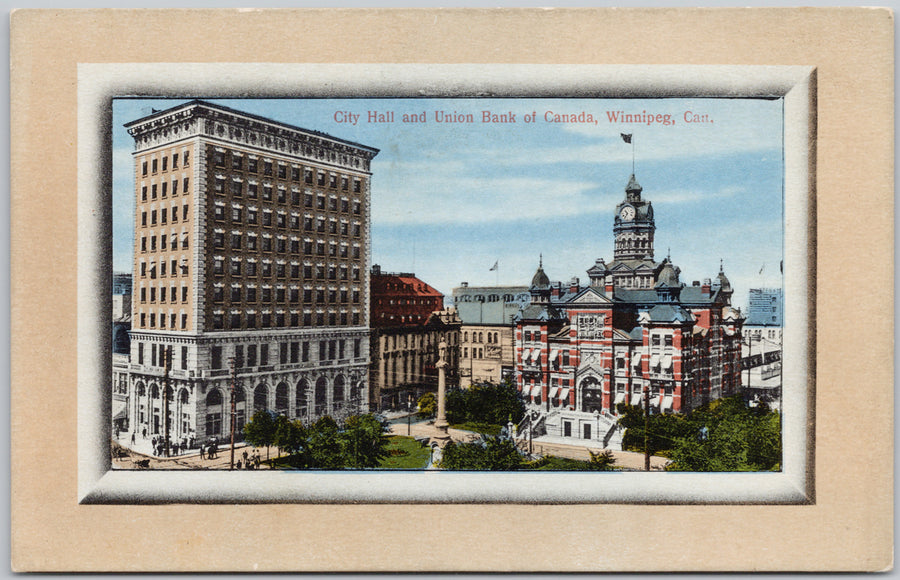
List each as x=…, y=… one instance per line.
x=290, y=437
x=364, y=442
x=489, y=454
x=602, y=461
x=324, y=445
x=728, y=435
x=485, y=403
x=427, y=405
x=260, y=431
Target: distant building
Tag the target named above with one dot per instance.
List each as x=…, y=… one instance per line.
x=761, y=351
x=121, y=313
x=635, y=335
x=408, y=323
x=401, y=299
x=251, y=244
x=487, y=312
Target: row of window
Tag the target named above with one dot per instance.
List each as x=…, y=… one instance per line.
x=157, y=354
x=164, y=160
x=310, y=224
x=172, y=294
x=161, y=190
x=492, y=337
x=415, y=341
x=264, y=269
x=163, y=215
x=149, y=320
x=148, y=244
x=251, y=164
x=243, y=295
x=174, y=270
x=281, y=245
x=250, y=320
x=279, y=194
x=287, y=352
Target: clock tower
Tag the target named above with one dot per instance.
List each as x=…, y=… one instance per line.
x=634, y=225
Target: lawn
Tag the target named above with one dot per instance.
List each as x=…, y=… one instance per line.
x=483, y=428
x=405, y=453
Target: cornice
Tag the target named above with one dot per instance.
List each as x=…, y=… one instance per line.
x=201, y=120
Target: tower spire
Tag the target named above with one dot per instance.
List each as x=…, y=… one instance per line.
x=541, y=260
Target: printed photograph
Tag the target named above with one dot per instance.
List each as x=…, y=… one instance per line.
x=458, y=284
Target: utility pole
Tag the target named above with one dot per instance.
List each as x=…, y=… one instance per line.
x=233, y=381
x=167, y=360
x=646, y=428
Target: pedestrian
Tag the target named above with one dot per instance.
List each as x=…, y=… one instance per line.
x=245, y=456
x=175, y=449
x=238, y=464
x=144, y=433
x=201, y=452
x=132, y=438
x=256, y=459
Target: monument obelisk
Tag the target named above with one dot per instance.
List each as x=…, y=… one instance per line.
x=441, y=421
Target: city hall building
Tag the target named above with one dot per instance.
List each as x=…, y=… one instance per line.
x=251, y=248
x=635, y=334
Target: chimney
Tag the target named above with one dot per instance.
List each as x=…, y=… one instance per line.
x=464, y=284
x=608, y=285
x=574, y=285
x=376, y=270
x=704, y=290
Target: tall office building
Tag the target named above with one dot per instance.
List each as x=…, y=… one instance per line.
x=251, y=245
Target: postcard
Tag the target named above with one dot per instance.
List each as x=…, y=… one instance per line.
x=519, y=286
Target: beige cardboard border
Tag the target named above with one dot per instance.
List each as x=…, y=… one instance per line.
x=848, y=528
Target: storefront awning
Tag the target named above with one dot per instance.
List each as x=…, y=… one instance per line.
x=635, y=400
x=564, y=394
x=119, y=411
x=667, y=362
x=553, y=355
x=667, y=403
x=620, y=398
x=536, y=391
x=553, y=392
x=636, y=359
x=654, y=360
x=526, y=354
x=536, y=355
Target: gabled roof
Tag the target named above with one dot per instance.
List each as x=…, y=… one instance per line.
x=539, y=312
x=590, y=295
x=667, y=313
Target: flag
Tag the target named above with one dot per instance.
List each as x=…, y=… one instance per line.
x=626, y=137
x=495, y=266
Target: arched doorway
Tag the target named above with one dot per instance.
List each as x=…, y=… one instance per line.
x=184, y=415
x=281, y=399
x=321, y=397
x=261, y=398
x=338, y=394
x=591, y=395
x=155, y=410
x=300, y=401
x=240, y=412
x=214, y=413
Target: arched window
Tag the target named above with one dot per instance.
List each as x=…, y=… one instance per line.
x=154, y=392
x=141, y=391
x=321, y=395
x=339, y=387
x=302, y=388
x=281, y=399
x=183, y=396
x=213, y=398
x=261, y=397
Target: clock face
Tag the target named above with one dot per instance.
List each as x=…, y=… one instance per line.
x=627, y=213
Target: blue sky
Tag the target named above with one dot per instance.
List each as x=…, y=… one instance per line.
x=450, y=199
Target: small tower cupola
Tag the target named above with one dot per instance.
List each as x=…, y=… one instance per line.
x=540, y=285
